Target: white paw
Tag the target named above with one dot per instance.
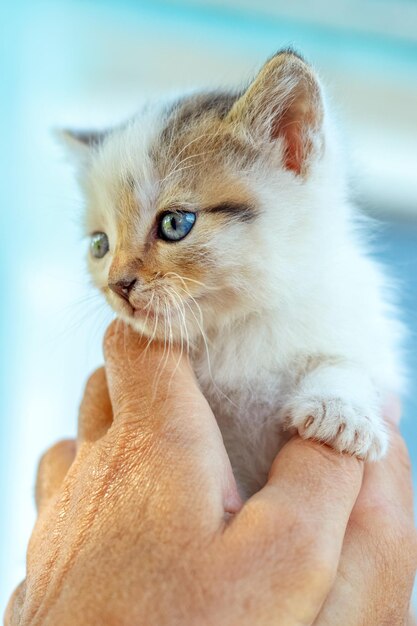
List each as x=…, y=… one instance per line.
x=339, y=424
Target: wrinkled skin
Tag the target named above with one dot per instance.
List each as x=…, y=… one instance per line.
x=140, y=522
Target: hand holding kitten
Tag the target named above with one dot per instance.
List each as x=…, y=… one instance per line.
x=143, y=524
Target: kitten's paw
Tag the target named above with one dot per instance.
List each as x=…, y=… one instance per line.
x=339, y=424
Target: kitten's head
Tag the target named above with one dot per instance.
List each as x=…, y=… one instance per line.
x=192, y=206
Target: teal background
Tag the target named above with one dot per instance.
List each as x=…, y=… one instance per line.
x=91, y=63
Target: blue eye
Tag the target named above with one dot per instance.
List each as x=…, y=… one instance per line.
x=99, y=245
x=176, y=225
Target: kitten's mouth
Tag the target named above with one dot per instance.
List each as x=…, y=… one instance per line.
x=152, y=312
x=144, y=313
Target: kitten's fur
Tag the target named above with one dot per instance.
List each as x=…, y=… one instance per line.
x=285, y=314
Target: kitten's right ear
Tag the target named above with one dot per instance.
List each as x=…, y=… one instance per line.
x=79, y=144
x=284, y=103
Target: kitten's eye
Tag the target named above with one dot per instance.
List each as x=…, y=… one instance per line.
x=176, y=225
x=99, y=245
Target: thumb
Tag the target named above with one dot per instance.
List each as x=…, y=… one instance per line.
x=153, y=390
x=152, y=384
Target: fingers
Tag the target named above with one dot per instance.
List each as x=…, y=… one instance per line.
x=293, y=528
x=95, y=418
x=158, y=406
x=52, y=469
x=96, y=415
x=387, y=486
x=142, y=374
x=384, y=512
x=392, y=410
x=154, y=389
x=319, y=486
x=379, y=556
x=12, y=614
x=387, y=490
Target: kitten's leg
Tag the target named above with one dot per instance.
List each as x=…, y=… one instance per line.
x=338, y=404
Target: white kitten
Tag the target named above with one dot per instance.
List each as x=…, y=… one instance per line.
x=221, y=221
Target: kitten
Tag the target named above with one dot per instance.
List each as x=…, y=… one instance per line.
x=222, y=221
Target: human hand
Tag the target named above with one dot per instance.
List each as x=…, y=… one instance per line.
x=143, y=523
x=379, y=555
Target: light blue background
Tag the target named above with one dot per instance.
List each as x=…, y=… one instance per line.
x=91, y=63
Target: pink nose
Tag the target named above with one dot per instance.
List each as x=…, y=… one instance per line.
x=123, y=287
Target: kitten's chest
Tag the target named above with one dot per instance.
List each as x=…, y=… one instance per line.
x=246, y=404
x=238, y=386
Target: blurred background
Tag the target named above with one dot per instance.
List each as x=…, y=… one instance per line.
x=89, y=63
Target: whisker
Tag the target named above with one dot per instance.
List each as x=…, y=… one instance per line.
x=164, y=358
x=205, y=341
x=172, y=299
x=191, y=280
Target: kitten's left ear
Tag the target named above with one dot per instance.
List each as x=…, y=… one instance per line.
x=80, y=143
x=284, y=102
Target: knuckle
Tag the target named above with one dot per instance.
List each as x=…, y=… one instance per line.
x=399, y=450
x=316, y=568
x=59, y=448
x=392, y=536
x=315, y=554
x=14, y=607
x=97, y=378
x=313, y=558
x=404, y=460
x=55, y=458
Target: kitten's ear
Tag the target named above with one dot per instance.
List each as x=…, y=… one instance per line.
x=80, y=143
x=284, y=101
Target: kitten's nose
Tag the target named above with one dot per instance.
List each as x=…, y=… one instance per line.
x=123, y=287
